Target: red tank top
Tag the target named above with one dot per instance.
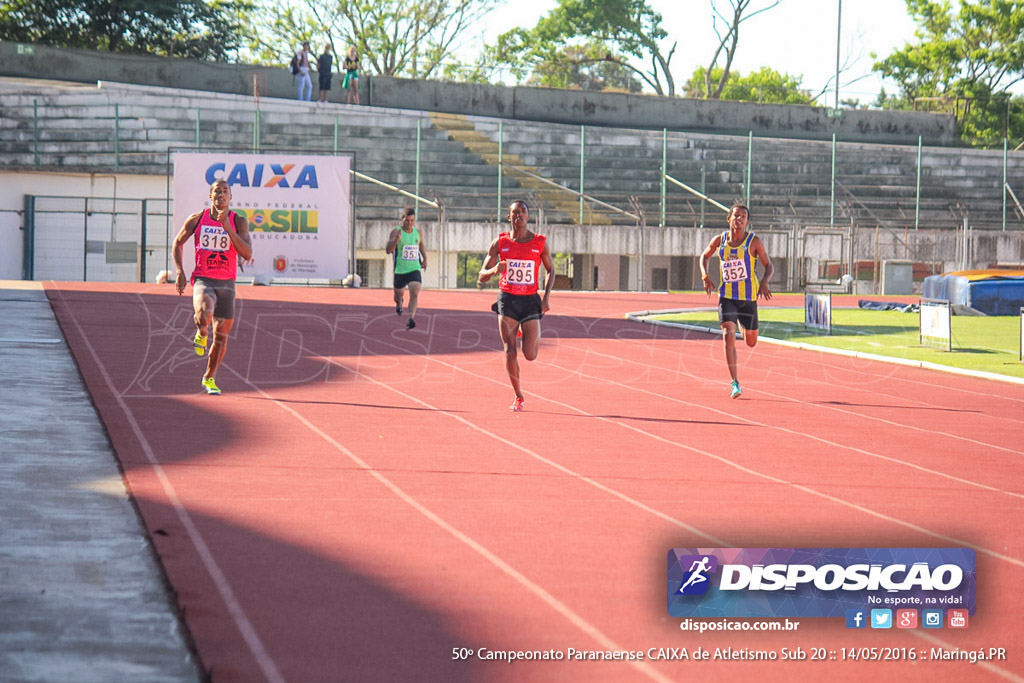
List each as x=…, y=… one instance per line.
x=523, y=269
x=216, y=257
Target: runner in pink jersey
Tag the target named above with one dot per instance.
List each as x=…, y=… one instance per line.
x=220, y=236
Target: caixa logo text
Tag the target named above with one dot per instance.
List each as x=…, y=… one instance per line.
x=264, y=175
x=830, y=577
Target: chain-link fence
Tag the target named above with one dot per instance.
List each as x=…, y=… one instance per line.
x=96, y=239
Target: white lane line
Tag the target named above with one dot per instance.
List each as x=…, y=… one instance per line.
x=801, y=434
x=828, y=442
x=720, y=543
x=675, y=444
x=235, y=609
x=546, y=597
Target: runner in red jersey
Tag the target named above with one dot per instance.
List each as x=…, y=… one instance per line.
x=220, y=237
x=516, y=256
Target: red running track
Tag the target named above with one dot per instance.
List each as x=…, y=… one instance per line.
x=359, y=502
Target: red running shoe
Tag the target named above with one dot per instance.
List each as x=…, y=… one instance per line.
x=517, y=405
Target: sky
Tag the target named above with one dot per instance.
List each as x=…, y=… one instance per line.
x=798, y=37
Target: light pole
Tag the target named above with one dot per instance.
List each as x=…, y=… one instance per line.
x=839, y=34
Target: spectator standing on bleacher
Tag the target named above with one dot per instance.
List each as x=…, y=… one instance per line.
x=351, y=83
x=305, y=84
x=323, y=70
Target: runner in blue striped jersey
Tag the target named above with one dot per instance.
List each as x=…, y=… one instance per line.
x=738, y=250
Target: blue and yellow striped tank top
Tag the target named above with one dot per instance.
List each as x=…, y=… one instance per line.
x=739, y=279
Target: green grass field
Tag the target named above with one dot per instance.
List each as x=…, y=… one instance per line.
x=987, y=344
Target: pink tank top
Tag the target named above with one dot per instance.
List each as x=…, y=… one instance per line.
x=216, y=257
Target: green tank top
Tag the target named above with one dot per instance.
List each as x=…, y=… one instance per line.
x=407, y=252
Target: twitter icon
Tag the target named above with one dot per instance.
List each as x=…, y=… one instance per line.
x=881, y=618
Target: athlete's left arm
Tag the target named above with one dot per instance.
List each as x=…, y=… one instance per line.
x=239, y=237
x=764, y=291
x=549, y=282
x=423, y=252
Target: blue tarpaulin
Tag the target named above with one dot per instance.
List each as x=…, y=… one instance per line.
x=991, y=292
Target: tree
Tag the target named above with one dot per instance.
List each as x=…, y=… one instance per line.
x=181, y=28
x=620, y=30
x=586, y=67
x=393, y=37
x=764, y=85
x=967, y=60
x=891, y=102
x=728, y=42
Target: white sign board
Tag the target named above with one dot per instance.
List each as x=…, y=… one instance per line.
x=935, y=324
x=298, y=208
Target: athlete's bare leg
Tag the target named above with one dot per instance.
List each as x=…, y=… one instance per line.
x=750, y=336
x=414, y=298
x=203, y=306
x=531, y=338
x=508, y=327
x=221, y=328
x=729, y=336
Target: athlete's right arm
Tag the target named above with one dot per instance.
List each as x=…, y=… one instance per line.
x=709, y=284
x=392, y=241
x=187, y=230
x=491, y=267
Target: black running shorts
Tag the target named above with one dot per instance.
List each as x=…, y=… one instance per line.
x=402, y=280
x=743, y=313
x=521, y=307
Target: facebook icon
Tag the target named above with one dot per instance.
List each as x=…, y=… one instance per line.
x=856, y=618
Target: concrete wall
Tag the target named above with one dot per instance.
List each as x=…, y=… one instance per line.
x=466, y=98
x=528, y=104
x=673, y=113
x=607, y=271
x=12, y=237
x=88, y=66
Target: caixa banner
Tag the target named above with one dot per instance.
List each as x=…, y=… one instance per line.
x=817, y=582
x=297, y=205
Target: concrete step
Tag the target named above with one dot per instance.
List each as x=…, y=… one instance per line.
x=148, y=107
x=459, y=154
